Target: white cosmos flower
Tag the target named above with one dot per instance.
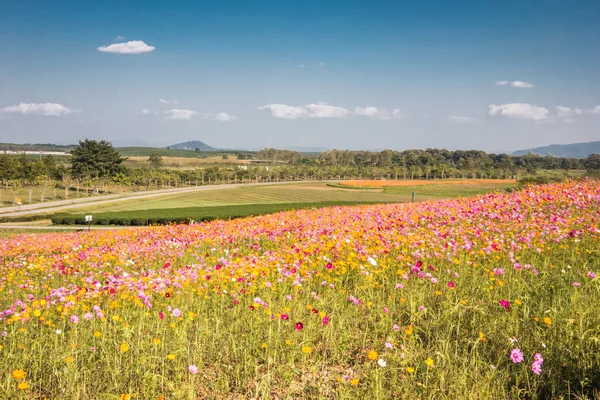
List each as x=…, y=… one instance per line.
x=382, y=363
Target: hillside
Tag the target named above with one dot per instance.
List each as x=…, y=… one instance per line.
x=192, y=145
x=573, y=150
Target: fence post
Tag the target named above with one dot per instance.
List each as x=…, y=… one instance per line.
x=412, y=197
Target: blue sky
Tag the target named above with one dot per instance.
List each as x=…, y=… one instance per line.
x=335, y=74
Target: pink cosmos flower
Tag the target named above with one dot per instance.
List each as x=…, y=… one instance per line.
x=386, y=310
x=538, y=358
x=591, y=275
x=161, y=315
x=325, y=320
x=89, y=316
x=389, y=345
x=516, y=356
x=536, y=367
x=421, y=308
x=396, y=327
x=176, y=312
x=399, y=286
x=451, y=285
x=193, y=369
x=576, y=284
x=74, y=319
x=284, y=317
x=505, y=304
x=498, y=271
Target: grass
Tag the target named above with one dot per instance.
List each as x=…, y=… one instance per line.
x=184, y=215
x=268, y=194
x=395, y=301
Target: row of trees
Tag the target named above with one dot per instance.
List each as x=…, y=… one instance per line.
x=464, y=160
x=96, y=166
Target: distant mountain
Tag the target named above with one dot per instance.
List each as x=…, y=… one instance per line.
x=573, y=150
x=192, y=145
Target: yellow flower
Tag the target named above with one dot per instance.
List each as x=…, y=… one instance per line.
x=19, y=374
x=288, y=342
x=429, y=362
x=518, y=302
x=97, y=334
x=409, y=330
x=124, y=347
x=172, y=325
x=156, y=341
x=438, y=293
x=23, y=385
x=1, y=347
x=354, y=382
x=322, y=314
x=37, y=313
x=171, y=356
x=125, y=397
x=69, y=360
x=547, y=321
x=372, y=355
x=410, y=370
x=463, y=302
x=307, y=349
x=264, y=345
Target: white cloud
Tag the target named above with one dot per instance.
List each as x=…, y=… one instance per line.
x=301, y=66
x=322, y=63
x=119, y=38
x=595, y=110
x=285, y=111
x=145, y=111
x=178, y=113
x=461, y=119
x=45, y=109
x=168, y=101
x=132, y=47
x=323, y=110
x=368, y=111
x=517, y=84
x=521, y=84
x=224, y=117
x=519, y=111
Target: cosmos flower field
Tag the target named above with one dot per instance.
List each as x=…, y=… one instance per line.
x=493, y=296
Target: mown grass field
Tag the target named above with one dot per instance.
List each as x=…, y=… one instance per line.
x=277, y=194
x=487, y=297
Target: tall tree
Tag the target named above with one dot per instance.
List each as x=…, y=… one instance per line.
x=95, y=159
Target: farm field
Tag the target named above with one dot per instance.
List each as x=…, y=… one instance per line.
x=273, y=194
x=492, y=296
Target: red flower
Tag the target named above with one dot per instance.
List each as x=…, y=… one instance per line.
x=505, y=304
x=315, y=311
x=252, y=308
x=451, y=285
x=161, y=315
x=167, y=295
x=299, y=326
x=329, y=266
x=285, y=317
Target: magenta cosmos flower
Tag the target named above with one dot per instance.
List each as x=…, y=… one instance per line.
x=505, y=304
x=516, y=356
x=299, y=326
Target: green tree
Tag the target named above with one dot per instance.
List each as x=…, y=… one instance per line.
x=95, y=159
x=592, y=162
x=155, y=160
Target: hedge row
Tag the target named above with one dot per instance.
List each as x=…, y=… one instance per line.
x=186, y=215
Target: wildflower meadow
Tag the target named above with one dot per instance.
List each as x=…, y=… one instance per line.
x=488, y=297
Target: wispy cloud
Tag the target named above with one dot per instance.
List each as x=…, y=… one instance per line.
x=120, y=38
x=44, y=109
x=301, y=65
x=324, y=110
x=519, y=111
x=179, y=113
x=168, y=101
x=457, y=119
x=131, y=47
x=517, y=84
